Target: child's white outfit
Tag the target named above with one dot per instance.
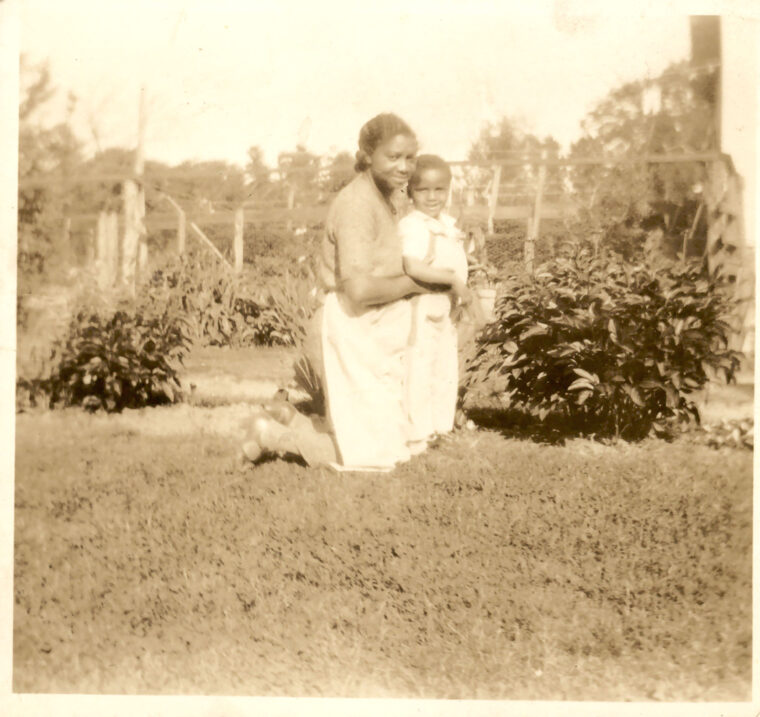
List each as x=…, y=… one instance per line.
x=432, y=366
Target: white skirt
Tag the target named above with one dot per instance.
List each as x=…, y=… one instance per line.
x=363, y=354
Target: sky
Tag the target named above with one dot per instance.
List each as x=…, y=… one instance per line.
x=221, y=76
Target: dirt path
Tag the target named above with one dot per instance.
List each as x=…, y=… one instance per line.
x=214, y=375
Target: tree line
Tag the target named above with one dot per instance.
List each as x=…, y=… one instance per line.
x=673, y=113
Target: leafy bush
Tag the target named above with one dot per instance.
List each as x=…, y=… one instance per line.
x=116, y=361
x=226, y=309
x=309, y=380
x=599, y=346
x=207, y=297
x=293, y=299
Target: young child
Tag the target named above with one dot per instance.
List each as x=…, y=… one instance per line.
x=433, y=252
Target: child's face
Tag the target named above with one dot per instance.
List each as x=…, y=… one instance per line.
x=431, y=191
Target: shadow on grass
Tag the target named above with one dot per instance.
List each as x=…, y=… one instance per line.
x=278, y=458
x=514, y=423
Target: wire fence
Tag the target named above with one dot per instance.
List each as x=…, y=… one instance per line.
x=527, y=188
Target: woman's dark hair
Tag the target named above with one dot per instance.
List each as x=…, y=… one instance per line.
x=425, y=162
x=379, y=129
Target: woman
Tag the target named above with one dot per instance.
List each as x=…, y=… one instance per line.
x=365, y=320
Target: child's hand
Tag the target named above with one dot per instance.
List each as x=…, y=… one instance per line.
x=460, y=290
x=465, y=303
x=475, y=312
x=457, y=313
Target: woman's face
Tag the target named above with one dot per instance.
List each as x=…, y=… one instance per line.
x=392, y=163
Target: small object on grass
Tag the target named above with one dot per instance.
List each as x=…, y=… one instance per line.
x=252, y=451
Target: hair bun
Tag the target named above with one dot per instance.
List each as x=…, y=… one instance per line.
x=362, y=161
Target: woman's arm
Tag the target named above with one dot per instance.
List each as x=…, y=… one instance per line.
x=419, y=270
x=368, y=291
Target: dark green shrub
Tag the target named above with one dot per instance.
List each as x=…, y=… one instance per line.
x=116, y=361
x=603, y=347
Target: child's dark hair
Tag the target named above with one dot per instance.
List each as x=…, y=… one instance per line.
x=425, y=162
x=379, y=129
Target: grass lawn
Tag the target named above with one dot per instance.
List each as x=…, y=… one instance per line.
x=490, y=567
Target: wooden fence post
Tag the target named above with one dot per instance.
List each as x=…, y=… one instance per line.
x=480, y=245
x=529, y=247
x=238, y=240
x=181, y=232
x=107, y=249
x=291, y=204
x=113, y=248
x=181, y=224
x=66, y=238
x=100, y=241
x=142, y=253
x=534, y=222
x=132, y=230
x=196, y=229
x=142, y=249
x=252, y=245
x=135, y=247
x=209, y=244
x=493, y=199
x=689, y=235
x=90, y=248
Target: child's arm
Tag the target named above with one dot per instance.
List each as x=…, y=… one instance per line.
x=420, y=270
